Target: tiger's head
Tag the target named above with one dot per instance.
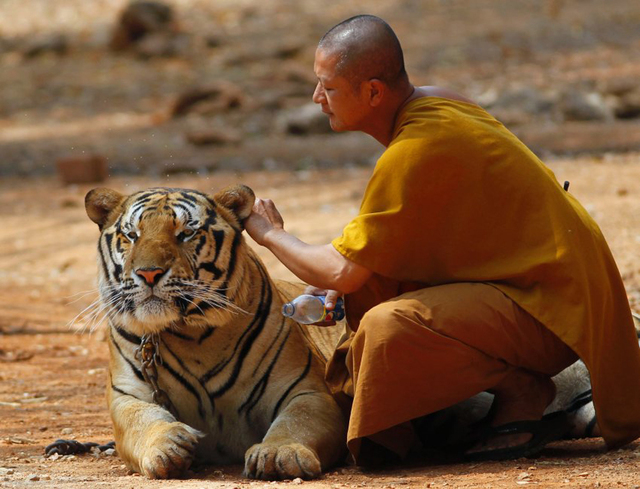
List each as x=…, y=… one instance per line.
x=170, y=256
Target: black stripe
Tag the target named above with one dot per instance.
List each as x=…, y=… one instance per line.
x=273, y=342
x=260, y=318
x=203, y=240
x=135, y=369
x=206, y=334
x=105, y=270
x=117, y=269
x=120, y=391
x=135, y=339
x=182, y=336
x=288, y=391
x=579, y=401
x=184, y=208
x=258, y=390
x=188, y=196
x=218, y=237
x=180, y=378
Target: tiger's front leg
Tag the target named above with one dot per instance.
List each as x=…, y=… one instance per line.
x=148, y=437
x=307, y=437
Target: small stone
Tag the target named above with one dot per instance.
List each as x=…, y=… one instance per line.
x=33, y=478
x=297, y=480
x=216, y=137
x=66, y=431
x=109, y=452
x=45, y=477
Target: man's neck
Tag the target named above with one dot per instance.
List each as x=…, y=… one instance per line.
x=384, y=132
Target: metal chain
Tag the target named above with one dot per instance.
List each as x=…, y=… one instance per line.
x=149, y=356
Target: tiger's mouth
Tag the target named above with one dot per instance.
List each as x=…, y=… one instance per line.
x=155, y=310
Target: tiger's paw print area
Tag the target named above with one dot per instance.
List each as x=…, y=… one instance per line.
x=272, y=462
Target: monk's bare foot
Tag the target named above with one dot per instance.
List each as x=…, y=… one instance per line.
x=521, y=396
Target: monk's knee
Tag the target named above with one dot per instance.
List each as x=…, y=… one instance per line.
x=392, y=320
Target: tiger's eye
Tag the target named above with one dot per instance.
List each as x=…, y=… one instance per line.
x=186, y=234
x=132, y=236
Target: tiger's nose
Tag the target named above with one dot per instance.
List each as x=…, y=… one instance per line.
x=150, y=275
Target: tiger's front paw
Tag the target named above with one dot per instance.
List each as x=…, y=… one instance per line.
x=271, y=462
x=170, y=450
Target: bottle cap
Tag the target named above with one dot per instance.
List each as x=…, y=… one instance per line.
x=288, y=310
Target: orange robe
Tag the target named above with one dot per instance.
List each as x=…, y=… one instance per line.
x=456, y=197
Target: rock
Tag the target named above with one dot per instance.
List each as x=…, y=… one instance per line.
x=52, y=43
x=297, y=480
x=580, y=106
x=627, y=106
x=216, y=137
x=67, y=431
x=527, y=99
x=301, y=121
x=518, y=106
x=208, y=100
x=33, y=478
x=141, y=19
x=82, y=169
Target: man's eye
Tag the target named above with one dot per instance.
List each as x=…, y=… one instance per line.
x=132, y=236
x=186, y=234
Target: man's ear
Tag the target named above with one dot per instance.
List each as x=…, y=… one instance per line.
x=100, y=202
x=238, y=199
x=377, y=90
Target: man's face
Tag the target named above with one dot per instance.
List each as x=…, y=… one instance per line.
x=345, y=104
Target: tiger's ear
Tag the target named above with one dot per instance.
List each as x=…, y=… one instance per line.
x=99, y=203
x=238, y=199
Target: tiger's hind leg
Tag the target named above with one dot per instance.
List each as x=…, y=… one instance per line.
x=307, y=437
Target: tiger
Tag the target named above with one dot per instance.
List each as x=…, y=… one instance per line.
x=244, y=384
x=228, y=379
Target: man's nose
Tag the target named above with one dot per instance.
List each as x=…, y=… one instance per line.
x=318, y=94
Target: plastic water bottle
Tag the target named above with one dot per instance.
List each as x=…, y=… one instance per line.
x=309, y=309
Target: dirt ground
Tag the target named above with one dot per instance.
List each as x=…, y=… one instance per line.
x=523, y=59
x=52, y=373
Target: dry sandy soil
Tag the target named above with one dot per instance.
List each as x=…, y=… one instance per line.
x=52, y=375
x=92, y=101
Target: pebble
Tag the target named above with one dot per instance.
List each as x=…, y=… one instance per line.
x=33, y=478
x=66, y=431
x=6, y=471
x=109, y=452
x=297, y=480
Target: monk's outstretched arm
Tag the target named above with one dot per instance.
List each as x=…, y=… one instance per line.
x=319, y=265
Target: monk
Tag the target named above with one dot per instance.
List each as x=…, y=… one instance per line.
x=469, y=268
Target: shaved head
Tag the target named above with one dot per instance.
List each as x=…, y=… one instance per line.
x=366, y=48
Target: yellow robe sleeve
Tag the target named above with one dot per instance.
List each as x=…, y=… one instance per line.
x=457, y=198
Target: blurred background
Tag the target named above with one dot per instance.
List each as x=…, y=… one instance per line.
x=174, y=86
x=207, y=93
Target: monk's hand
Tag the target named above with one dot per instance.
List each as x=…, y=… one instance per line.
x=331, y=296
x=263, y=220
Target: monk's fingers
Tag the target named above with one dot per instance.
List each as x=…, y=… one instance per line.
x=267, y=209
x=332, y=297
